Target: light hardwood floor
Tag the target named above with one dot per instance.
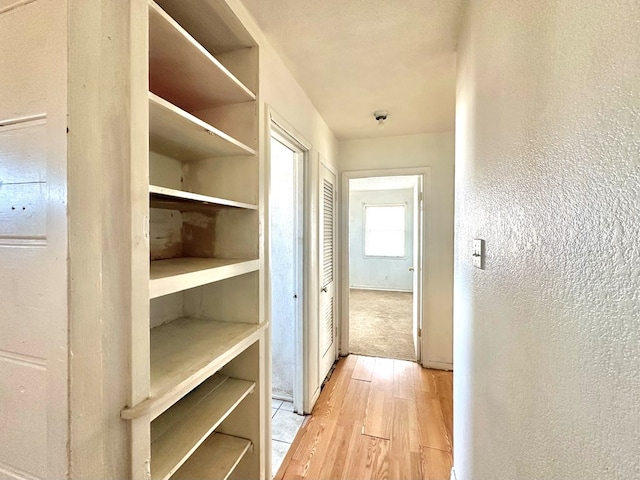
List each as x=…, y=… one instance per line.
x=376, y=418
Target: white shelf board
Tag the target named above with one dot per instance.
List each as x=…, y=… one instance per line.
x=177, y=274
x=213, y=24
x=180, y=135
x=216, y=459
x=184, y=353
x=179, y=431
x=184, y=72
x=162, y=197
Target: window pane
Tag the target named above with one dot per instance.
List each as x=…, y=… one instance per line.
x=388, y=217
x=384, y=231
x=384, y=244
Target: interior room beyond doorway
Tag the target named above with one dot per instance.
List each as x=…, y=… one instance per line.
x=384, y=250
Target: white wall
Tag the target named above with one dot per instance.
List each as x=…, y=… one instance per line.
x=547, y=346
x=390, y=273
x=281, y=93
x=435, y=151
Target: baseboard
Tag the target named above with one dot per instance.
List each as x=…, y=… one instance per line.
x=439, y=365
x=379, y=289
x=453, y=474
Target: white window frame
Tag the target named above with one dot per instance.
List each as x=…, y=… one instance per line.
x=364, y=229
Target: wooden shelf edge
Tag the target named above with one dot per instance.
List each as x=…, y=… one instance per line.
x=170, y=195
x=216, y=459
x=155, y=406
x=214, y=61
x=184, y=116
x=192, y=420
x=166, y=285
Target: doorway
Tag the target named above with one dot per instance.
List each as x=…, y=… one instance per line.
x=385, y=254
x=286, y=253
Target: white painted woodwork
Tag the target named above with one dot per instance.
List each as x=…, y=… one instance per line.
x=34, y=398
x=177, y=433
x=178, y=134
x=328, y=305
x=236, y=178
x=216, y=459
x=170, y=198
x=184, y=353
x=171, y=50
x=177, y=274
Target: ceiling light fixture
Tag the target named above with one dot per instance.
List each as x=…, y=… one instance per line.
x=380, y=116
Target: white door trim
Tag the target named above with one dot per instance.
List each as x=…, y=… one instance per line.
x=343, y=321
x=289, y=135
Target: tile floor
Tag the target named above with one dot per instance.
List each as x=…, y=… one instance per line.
x=284, y=426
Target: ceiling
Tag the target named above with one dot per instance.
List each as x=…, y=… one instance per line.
x=354, y=57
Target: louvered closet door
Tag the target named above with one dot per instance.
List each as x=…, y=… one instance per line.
x=327, y=324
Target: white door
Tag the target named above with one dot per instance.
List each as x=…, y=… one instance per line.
x=327, y=323
x=417, y=268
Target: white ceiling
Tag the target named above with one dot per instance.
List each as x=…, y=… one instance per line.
x=353, y=57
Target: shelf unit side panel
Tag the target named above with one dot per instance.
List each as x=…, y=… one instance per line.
x=232, y=300
x=246, y=420
x=235, y=178
x=237, y=120
x=165, y=171
x=166, y=308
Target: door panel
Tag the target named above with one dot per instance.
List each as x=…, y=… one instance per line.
x=327, y=324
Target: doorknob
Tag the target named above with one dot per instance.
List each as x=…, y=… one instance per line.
x=323, y=289
x=411, y=269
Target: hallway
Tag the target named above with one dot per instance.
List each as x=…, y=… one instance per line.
x=376, y=418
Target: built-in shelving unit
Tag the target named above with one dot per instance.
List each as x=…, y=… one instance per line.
x=177, y=274
x=203, y=416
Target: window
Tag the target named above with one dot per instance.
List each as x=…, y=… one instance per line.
x=384, y=230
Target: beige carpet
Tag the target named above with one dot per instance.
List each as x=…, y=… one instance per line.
x=380, y=324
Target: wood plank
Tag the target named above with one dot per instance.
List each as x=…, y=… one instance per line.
x=364, y=369
x=444, y=383
x=403, y=379
x=175, y=133
x=348, y=429
x=377, y=422
x=369, y=460
x=216, y=459
x=436, y=464
x=177, y=274
x=161, y=197
x=423, y=379
x=184, y=353
x=433, y=433
x=315, y=436
x=446, y=405
x=172, y=49
x=180, y=430
x=331, y=444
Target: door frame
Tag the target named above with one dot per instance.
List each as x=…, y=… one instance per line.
x=423, y=317
x=282, y=129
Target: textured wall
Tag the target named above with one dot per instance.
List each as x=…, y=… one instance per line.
x=547, y=350
x=436, y=151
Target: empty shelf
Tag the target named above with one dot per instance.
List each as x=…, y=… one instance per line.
x=184, y=72
x=185, y=352
x=177, y=433
x=216, y=459
x=177, y=274
x=162, y=197
x=178, y=134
